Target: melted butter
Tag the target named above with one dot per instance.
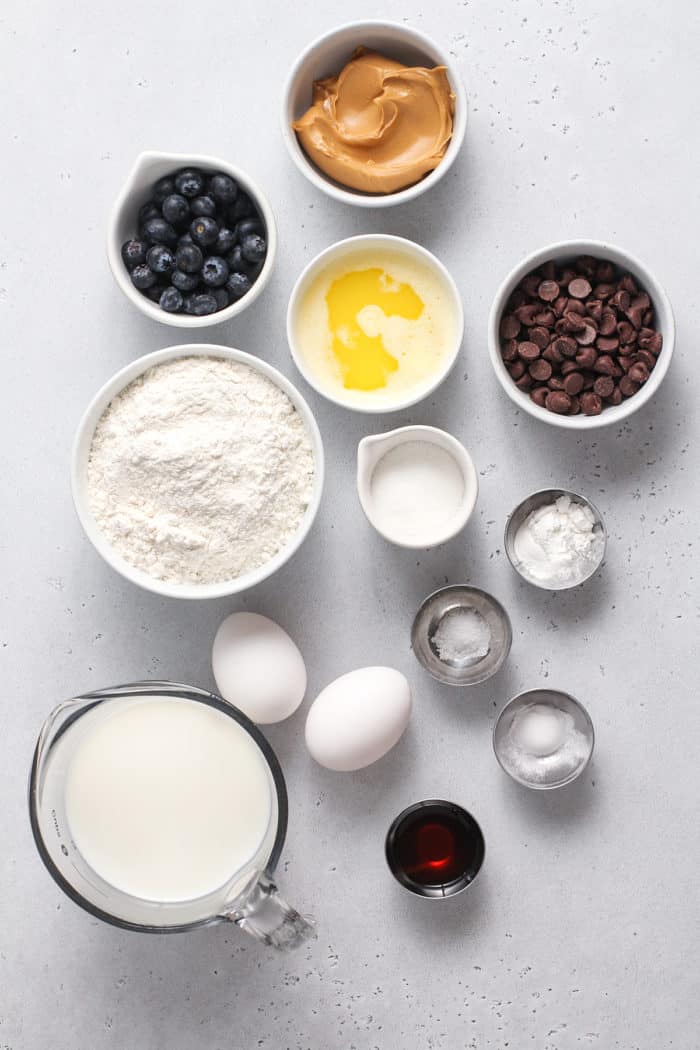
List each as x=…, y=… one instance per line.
x=353, y=302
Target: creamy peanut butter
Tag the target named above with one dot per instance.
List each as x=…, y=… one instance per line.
x=378, y=126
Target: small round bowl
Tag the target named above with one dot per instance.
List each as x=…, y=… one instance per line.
x=81, y=453
x=347, y=248
x=534, y=502
x=326, y=56
x=545, y=772
x=566, y=251
x=150, y=167
x=464, y=828
x=428, y=619
x=372, y=449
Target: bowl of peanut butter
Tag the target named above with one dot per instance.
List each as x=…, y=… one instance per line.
x=374, y=113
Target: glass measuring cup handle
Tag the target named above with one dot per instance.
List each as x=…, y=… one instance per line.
x=266, y=916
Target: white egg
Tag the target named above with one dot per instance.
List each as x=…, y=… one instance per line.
x=358, y=718
x=258, y=667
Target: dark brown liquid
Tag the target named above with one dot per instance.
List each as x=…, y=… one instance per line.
x=435, y=845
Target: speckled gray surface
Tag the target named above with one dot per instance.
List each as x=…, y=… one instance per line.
x=582, y=928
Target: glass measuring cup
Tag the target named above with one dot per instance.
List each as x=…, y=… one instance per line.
x=249, y=898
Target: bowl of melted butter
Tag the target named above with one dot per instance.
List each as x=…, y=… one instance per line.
x=375, y=323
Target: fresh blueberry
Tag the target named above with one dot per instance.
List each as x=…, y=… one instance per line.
x=186, y=238
x=175, y=208
x=254, y=248
x=237, y=264
x=215, y=271
x=241, y=207
x=204, y=303
x=149, y=210
x=134, y=253
x=154, y=292
x=225, y=241
x=158, y=231
x=221, y=296
x=171, y=300
x=184, y=282
x=204, y=205
x=223, y=188
x=163, y=188
x=235, y=261
x=189, y=182
x=143, y=277
x=189, y=258
x=204, y=231
x=237, y=285
x=160, y=259
x=244, y=227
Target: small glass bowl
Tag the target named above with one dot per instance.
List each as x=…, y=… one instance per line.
x=544, y=772
x=428, y=618
x=539, y=499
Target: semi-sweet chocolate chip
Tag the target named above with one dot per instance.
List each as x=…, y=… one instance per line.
x=579, y=288
x=510, y=326
x=604, y=386
x=591, y=403
x=573, y=384
x=558, y=401
x=548, y=291
x=542, y=370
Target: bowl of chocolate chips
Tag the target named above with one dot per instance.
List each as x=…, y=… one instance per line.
x=581, y=334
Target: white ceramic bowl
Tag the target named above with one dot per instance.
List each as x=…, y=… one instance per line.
x=150, y=167
x=348, y=247
x=372, y=449
x=81, y=452
x=664, y=322
x=326, y=56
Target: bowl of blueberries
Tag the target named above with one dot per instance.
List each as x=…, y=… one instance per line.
x=191, y=240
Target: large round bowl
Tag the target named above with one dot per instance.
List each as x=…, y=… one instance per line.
x=567, y=251
x=326, y=56
x=150, y=167
x=81, y=452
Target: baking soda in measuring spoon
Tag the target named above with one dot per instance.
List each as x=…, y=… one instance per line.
x=416, y=489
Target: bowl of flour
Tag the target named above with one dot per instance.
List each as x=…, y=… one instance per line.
x=197, y=471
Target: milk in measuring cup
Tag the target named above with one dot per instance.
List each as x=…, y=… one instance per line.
x=167, y=800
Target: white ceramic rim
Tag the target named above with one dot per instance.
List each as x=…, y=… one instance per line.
x=463, y=459
x=357, y=197
x=612, y=414
x=124, y=199
x=81, y=449
x=509, y=540
x=398, y=244
x=527, y=783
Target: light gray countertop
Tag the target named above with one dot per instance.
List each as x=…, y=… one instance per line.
x=581, y=930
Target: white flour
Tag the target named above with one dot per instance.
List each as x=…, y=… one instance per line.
x=200, y=470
